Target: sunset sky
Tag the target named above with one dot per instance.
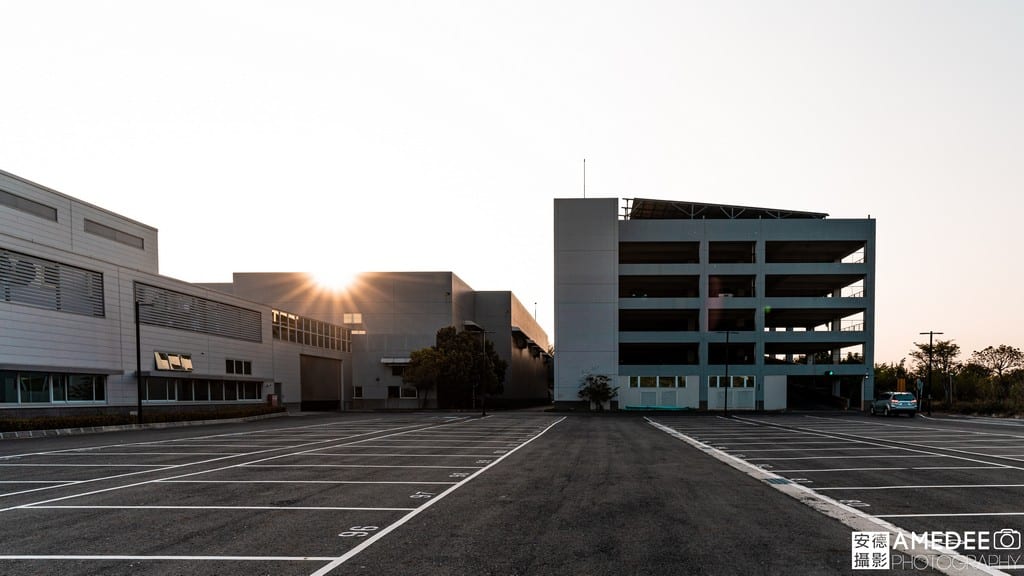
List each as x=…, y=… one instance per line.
x=338, y=137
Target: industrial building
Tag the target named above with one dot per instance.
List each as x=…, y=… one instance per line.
x=714, y=307
x=88, y=324
x=393, y=313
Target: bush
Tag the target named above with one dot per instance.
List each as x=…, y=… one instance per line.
x=151, y=416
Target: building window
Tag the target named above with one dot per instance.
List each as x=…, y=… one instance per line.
x=243, y=367
x=394, y=391
x=397, y=370
x=173, y=362
x=357, y=391
x=104, y=231
x=50, y=285
x=409, y=392
x=737, y=381
x=27, y=206
x=45, y=388
x=201, y=390
x=289, y=327
x=657, y=381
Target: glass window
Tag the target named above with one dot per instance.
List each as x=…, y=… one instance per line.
x=60, y=387
x=648, y=381
x=156, y=389
x=681, y=381
x=666, y=381
x=249, y=390
x=393, y=391
x=34, y=387
x=408, y=392
x=216, y=390
x=634, y=381
x=357, y=392
x=162, y=361
x=247, y=367
x=231, y=390
x=201, y=390
x=184, y=390
x=8, y=387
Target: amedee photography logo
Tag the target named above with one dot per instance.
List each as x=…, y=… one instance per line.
x=870, y=551
x=1006, y=539
x=939, y=549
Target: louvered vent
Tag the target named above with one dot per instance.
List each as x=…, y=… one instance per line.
x=170, y=309
x=41, y=283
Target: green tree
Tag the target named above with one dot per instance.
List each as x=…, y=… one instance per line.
x=597, y=389
x=424, y=371
x=1000, y=361
x=887, y=376
x=461, y=366
x=944, y=363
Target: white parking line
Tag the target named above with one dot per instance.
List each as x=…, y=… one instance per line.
x=772, y=458
x=173, y=558
x=407, y=455
x=744, y=449
x=332, y=508
x=950, y=515
x=49, y=465
x=920, y=486
x=302, y=482
x=353, y=466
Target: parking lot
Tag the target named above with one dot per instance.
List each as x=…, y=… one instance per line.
x=513, y=493
x=276, y=499
x=924, y=475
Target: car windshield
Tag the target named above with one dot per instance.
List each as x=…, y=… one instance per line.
x=903, y=396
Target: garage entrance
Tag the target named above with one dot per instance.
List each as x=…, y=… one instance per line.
x=823, y=392
x=321, y=383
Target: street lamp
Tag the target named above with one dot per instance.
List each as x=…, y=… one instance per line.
x=728, y=383
x=931, y=334
x=483, y=366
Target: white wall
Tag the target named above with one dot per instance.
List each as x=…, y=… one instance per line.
x=586, y=292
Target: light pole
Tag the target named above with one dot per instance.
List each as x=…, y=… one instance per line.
x=483, y=366
x=728, y=383
x=931, y=348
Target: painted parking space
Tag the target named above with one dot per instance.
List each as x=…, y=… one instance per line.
x=302, y=499
x=918, y=475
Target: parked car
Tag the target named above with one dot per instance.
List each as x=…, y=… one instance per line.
x=894, y=403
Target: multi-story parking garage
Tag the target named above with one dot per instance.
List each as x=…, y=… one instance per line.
x=709, y=306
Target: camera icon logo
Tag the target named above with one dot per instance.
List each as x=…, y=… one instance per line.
x=1006, y=539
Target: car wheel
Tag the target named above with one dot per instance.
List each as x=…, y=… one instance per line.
x=886, y=412
x=871, y=410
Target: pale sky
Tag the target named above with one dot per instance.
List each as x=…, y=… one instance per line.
x=382, y=135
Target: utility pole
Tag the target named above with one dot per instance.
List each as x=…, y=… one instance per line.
x=931, y=348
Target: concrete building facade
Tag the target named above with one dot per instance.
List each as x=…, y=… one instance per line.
x=706, y=306
x=70, y=342
x=88, y=324
x=391, y=314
